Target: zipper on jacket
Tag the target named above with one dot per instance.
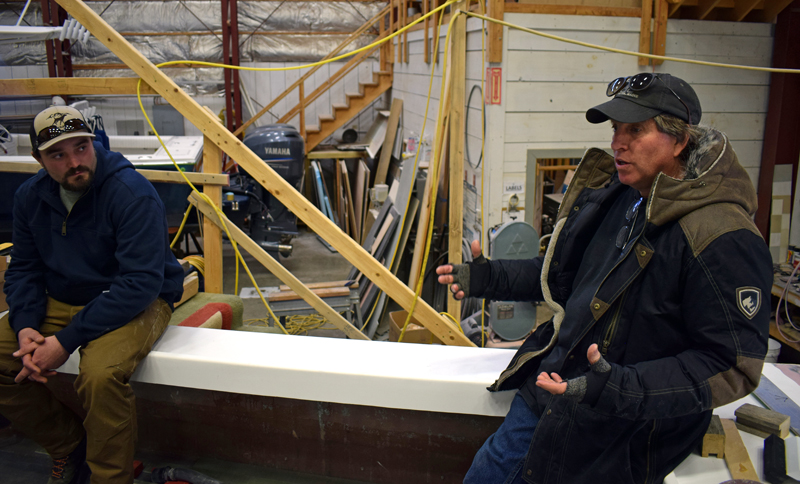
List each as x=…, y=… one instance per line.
x=611, y=330
x=64, y=223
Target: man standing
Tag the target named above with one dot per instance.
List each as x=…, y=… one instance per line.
x=656, y=276
x=91, y=268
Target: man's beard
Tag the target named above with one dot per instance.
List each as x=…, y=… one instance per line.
x=79, y=185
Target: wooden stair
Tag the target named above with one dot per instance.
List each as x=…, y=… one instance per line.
x=343, y=113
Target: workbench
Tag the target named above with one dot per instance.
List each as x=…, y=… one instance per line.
x=365, y=380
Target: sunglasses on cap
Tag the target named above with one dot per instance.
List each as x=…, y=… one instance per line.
x=640, y=82
x=52, y=132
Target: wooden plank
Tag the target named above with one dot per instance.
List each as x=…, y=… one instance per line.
x=495, y=32
x=456, y=162
x=644, y=34
x=322, y=285
x=763, y=419
x=428, y=201
x=159, y=176
x=337, y=190
x=714, y=439
x=261, y=172
x=405, y=34
x=704, y=7
x=413, y=206
x=278, y=270
x=360, y=203
x=72, y=86
x=736, y=456
x=212, y=235
x=355, y=226
x=741, y=8
x=660, y=34
x=321, y=292
x=388, y=141
x=334, y=154
x=675, y=6
x=573, y=10
x=426, y=36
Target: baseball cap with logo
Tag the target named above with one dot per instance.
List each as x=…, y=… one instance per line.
x=55, y=124
x=643, y=96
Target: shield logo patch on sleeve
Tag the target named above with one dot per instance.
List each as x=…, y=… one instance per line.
x=749, y=300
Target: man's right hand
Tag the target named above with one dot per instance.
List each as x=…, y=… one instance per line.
x=29, y=340
x=458, y=275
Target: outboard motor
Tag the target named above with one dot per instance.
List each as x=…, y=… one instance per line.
x=271, y=224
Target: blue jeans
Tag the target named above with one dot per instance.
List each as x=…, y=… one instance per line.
x=502, y=456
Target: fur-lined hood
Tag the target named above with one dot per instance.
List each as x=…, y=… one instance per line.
x=713, y=175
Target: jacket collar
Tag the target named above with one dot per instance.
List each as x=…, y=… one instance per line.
x=714, y=175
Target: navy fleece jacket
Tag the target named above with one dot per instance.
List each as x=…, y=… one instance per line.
x=110, y=253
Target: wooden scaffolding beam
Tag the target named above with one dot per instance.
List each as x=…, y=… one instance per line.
x=266, y=176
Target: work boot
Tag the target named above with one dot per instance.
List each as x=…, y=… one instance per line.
x=71, y=469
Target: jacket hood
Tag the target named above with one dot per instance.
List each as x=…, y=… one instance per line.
x=713, y=175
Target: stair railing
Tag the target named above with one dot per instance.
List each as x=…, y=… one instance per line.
x=379, y=17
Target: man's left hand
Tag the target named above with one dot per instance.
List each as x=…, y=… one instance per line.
x=48, y=357
x=552, y=383
x=555, y=385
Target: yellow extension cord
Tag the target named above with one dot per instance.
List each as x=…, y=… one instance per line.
x=439, y=126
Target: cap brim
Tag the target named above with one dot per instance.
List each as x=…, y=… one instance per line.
x=62, y=137
x=621, y=110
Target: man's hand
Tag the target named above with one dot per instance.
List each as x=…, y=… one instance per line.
x=458, y=276
x=40, y=362
x=555, y=385
x=49, y=356
x=29, y=339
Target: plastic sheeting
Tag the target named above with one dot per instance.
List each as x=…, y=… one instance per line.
x=200, y=18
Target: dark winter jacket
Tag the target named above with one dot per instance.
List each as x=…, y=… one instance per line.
x=680, y=317
x=110, y=253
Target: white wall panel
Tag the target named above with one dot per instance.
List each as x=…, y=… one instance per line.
x=548, y=85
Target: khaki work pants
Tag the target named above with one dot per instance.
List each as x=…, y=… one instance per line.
x=106, y=365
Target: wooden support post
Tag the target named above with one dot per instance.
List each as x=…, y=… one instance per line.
x=404, y=16
x=426, y=25
x=266, y=176
x=495, y=31
x=457, y=103
x=212, y=236
x=302, y=104
x=384, y=61
x=660, y=35
x=277, y=269
x=644, y=34
x=393, y=28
